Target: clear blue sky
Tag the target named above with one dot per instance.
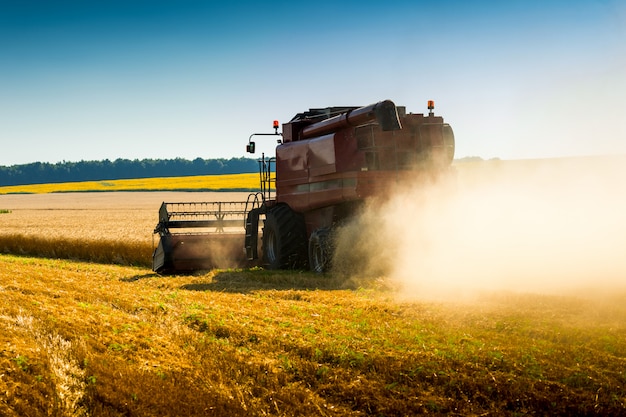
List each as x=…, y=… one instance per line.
x=90, y=80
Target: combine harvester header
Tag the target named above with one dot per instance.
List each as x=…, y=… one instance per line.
x=199, y=235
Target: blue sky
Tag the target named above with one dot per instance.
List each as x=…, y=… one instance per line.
x=92, y=80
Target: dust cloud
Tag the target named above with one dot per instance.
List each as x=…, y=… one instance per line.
x=553, y=226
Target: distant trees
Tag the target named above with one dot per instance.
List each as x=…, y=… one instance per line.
x=43, y=172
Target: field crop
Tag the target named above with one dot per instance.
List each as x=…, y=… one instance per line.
x=97, y=339
x=84, y=339
x=101, y=227
x=230, y=182
x=103, y=221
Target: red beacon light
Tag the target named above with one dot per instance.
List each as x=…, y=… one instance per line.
x=431, y=106
x=276, y=127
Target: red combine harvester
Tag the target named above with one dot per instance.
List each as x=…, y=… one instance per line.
x=328, y=162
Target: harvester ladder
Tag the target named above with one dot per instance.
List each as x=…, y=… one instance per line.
x=267, y=174
x=255, y=206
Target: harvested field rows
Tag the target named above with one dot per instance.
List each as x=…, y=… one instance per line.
x=82, y=339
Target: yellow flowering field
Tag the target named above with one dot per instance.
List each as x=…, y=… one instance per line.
x=229, y=182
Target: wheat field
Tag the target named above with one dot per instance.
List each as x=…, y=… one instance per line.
x=103, y=221
x=84, y=339
x=82, y=336
x=128, y=216
x=112, y=227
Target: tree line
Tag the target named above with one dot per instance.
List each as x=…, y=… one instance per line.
x=44, y=173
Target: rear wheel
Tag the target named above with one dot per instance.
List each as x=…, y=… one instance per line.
x=284, y=239
x=320, y=251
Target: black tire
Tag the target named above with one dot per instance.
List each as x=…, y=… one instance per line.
x=320, y=251
x=284, y=239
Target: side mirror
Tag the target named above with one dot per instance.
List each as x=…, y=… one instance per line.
x=250, y=147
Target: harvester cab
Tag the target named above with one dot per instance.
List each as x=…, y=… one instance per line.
x=328, y=162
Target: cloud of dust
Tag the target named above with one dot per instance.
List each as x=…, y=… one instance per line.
x=196, y=250
x=542, y=226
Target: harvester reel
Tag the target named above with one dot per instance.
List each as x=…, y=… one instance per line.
x=320, y=250
x=283, y=235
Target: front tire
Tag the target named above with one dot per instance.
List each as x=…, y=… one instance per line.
x=284, y=239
